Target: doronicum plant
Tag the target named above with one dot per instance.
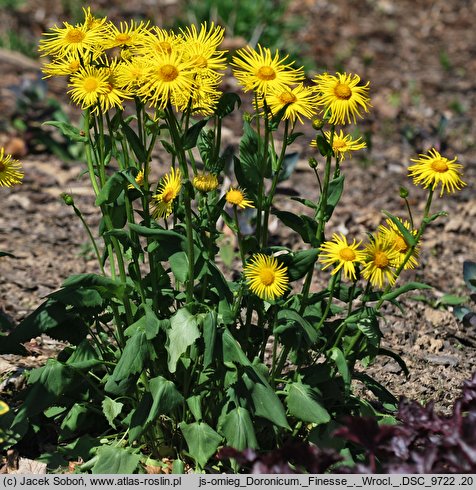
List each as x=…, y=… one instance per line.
x=166, y=358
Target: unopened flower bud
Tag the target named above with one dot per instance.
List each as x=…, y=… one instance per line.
x=403, y=192
x=317, y=124
x=313, y=162
x=68, y=199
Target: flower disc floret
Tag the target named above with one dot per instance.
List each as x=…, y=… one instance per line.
x=266, y=277
x=433, y=169
x=342, y=98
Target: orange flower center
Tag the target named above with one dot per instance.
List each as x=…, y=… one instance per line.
x=266, y=73
x=347, y=254
x=342, y=91
x=74, y=65
x=168, y=73
x=164, y=47
x=287, y=98
x=439, y=166
x=168, y=196
x=380, y=260
x=234, y=197
x=400, y=244
x=338, y=144
x=200, y=61
x=266, y=276
x=90, y=84
x=75, y=36
x=123, y=38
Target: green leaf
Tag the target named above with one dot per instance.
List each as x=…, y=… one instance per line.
x=202, y=441
x=131, y=363
x=299, y=263
x=387, y=352
x=165, y=398
x=226, y=104
x=232, y=351
x=111, y=409
x=168, y=241
x=191, y=136
x=297, y=321
x=77, y=419
x=114, y=185
x=336, y=187
x=209, y=337
x=182, y=333
x=71, y=132
x=107, y=288
x=179, y=264
x=369, y=327
x=84, y=356
x=407, y=235
x=303, y=402
x=237, y=427
x=410, y=286
x=134, y=142
x=338, y=357
x=305, y=226
x=266, y=402
x=451, y=300
x=148, y=323
x=6, y=254
x=113, y=460
x=377, y=389
x=469, y=274
x=323, y=145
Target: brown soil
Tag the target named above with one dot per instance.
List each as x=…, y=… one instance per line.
x=420, y=59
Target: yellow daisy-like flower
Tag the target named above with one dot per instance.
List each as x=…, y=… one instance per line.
x=205, y=182
x=131, y=75
x=159, y=41
x=10, y=170
x=64, y=66
x=88, y=84
x=393, y=236
x=342, y=97
x=266, y=277
x=139, y=179
x=299, y=101
x=433, y=169
x=261, y=72
x=200, y=47
x=114, y=95
x=342, y=144
x=167, y=192
x=78, y=40
x=168, y=76
x=237, y=197
x=380, y=260
x=91, y=21
x=125, y=35
x=342, y=254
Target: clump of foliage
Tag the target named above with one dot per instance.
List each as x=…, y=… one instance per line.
x=166, y=357
x=422, y=441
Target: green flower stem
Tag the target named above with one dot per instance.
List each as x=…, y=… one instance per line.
x=320, y=216
x=91, y=238
x=325, y=192
x=274, y=183
x=329, y=301
x=176, y=138
x=239, y=235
